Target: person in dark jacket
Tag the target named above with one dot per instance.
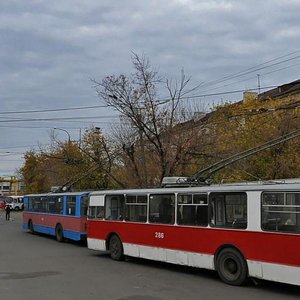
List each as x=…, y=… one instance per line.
x=7, y=210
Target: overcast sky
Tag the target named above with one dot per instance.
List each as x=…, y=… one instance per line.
x=49, y=51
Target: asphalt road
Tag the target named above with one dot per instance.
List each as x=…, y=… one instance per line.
x=37, y=267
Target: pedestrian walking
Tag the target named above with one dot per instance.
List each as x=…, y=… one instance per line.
x=7, y=215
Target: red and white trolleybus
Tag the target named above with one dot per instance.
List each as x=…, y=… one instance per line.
x=241, y=231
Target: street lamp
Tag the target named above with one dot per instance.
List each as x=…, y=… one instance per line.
x=65, y=132
x=67, y=160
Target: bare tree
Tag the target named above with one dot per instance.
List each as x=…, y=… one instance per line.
x=153, y=121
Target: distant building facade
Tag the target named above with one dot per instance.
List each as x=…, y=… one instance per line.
x=10, y=185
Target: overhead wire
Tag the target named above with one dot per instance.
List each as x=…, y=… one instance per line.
x=253, y=69
x=11, y=119
x=16, y=147
x=252, y=77
x=210, y=83
x=53, y=110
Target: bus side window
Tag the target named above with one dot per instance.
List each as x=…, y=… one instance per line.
x=280, y=212
x=84, y=200
x=96, y=212
x=71, y=205
x=59, y=205
x=162, y=208
x=136, y=208
x=99, y=212
x=192, y=209
x=91, y=212
x=114, y=207
x=228, y=210
x=202, y=215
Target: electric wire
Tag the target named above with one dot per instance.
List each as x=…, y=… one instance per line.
x=209, y=83
x=53, y=110
x=253, y=69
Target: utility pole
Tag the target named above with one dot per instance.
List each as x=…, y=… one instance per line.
x=258, y=83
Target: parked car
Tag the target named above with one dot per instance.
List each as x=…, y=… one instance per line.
x=16, y=202
x=4, y=200
x=2, y=203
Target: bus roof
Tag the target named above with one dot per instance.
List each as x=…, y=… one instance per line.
x=232, y=187
x=57, y=194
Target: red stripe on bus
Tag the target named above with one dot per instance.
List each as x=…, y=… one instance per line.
x=68, y=222
x=257, y=246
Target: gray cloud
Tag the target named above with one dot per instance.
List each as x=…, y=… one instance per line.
x=50, y=49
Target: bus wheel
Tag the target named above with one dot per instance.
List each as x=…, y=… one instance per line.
x=30, y=227
x=115, y=248
x=232, y=267
x=59, y=233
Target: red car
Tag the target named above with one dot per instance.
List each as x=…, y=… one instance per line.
x=2, y=204
x=3, y=201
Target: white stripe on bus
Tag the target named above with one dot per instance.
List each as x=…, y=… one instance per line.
x=263, y=270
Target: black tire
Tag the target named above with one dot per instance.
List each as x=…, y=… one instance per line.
x=116, y=248
x=59, y=233
x=232, y=267
x=16, y=208
x=30, y=227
